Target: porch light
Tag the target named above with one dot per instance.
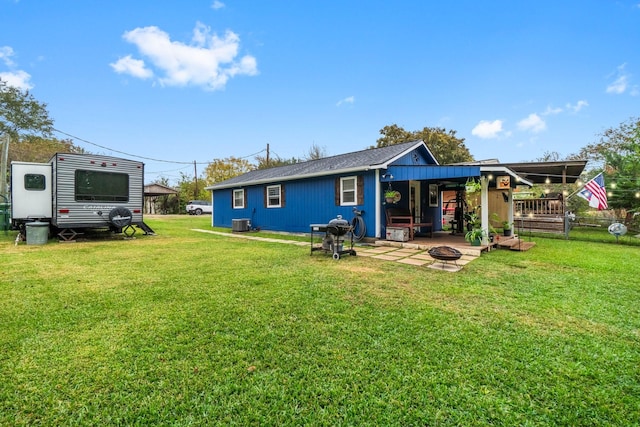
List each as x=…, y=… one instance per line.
x=637, y=194
x=547, y=181
x=490, y=177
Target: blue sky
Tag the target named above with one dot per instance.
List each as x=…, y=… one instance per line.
x=184, y=81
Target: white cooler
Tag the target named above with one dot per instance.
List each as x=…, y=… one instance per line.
x=398, y=234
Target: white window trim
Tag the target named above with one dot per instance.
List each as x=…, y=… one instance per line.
x=279, y=187
x=234, y=199
x=355, y=191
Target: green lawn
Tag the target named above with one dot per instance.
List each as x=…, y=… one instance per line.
x=188, y=328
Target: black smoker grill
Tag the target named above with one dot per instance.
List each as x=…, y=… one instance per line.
x=334, y=237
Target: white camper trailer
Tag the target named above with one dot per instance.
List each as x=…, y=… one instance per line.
x=74, y=192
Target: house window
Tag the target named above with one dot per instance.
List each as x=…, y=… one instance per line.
x=238, y=199
x=274, y=196
x=348, y=191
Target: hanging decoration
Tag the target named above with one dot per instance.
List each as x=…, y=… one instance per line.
x=391, y=195
x=472, y=185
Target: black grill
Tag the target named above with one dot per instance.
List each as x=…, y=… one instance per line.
x=334, y=237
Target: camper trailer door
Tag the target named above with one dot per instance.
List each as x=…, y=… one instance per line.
x=31, y=190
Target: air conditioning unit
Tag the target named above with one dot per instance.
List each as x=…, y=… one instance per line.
x=240, y=225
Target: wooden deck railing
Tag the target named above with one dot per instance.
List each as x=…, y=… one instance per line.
x=539, y=215
x=540, y=207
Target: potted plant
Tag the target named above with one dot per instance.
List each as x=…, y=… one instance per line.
x=506, y=228
x=506, y=225
x=475, y=236
x=473, y=220
x=471, y=186
x=392, y=196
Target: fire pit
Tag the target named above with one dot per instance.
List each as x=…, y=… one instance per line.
x=445, y=254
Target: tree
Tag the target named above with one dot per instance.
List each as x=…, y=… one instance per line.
x=316, y=152
x=274, y=162
x=31, y=148
x=549, y=156
x=618, y=153
x=222, y=169
x=620, y=139
x=622, y=178
x=187, y=190
x=394, y=134
x=21, y=114
x=443, y=144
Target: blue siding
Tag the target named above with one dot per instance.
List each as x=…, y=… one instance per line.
x=312, y=200
x=308, y=201
x=419, y=157
x=406, y=173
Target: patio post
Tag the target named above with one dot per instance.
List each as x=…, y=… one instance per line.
x=484, y=209
x=510, y=209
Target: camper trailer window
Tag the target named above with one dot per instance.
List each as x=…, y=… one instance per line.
x=34, y=182
x=101, y=186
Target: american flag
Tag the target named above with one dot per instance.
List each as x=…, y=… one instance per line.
x=595, y=193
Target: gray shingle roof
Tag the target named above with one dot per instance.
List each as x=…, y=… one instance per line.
x=374, y=158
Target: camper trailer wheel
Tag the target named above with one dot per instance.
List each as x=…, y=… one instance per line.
x=120, y=217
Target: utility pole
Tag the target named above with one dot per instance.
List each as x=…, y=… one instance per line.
x=267, y=154
x=195, y=173
x=4, y=155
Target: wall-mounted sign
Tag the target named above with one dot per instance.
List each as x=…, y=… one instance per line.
x=503, y=182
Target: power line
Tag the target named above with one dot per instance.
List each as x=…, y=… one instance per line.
x=143, y=157
x=118, y=151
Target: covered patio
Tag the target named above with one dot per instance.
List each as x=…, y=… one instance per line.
x=486, y=176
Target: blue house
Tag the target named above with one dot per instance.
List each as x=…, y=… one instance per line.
x=290, y=198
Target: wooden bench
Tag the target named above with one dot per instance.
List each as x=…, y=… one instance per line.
x=401, y=217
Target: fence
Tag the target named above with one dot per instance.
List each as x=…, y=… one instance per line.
x=544, y=215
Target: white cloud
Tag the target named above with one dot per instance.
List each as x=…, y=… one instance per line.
x=487, y=130
x=621, y=82
x=347, y=100
x=578, y=106
x=532, y=123
x=133, y=67
x=6, y=53
x=16, y=78
x=552, y=110
x=208, y=61
x=217, y=4
x=20, y=79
